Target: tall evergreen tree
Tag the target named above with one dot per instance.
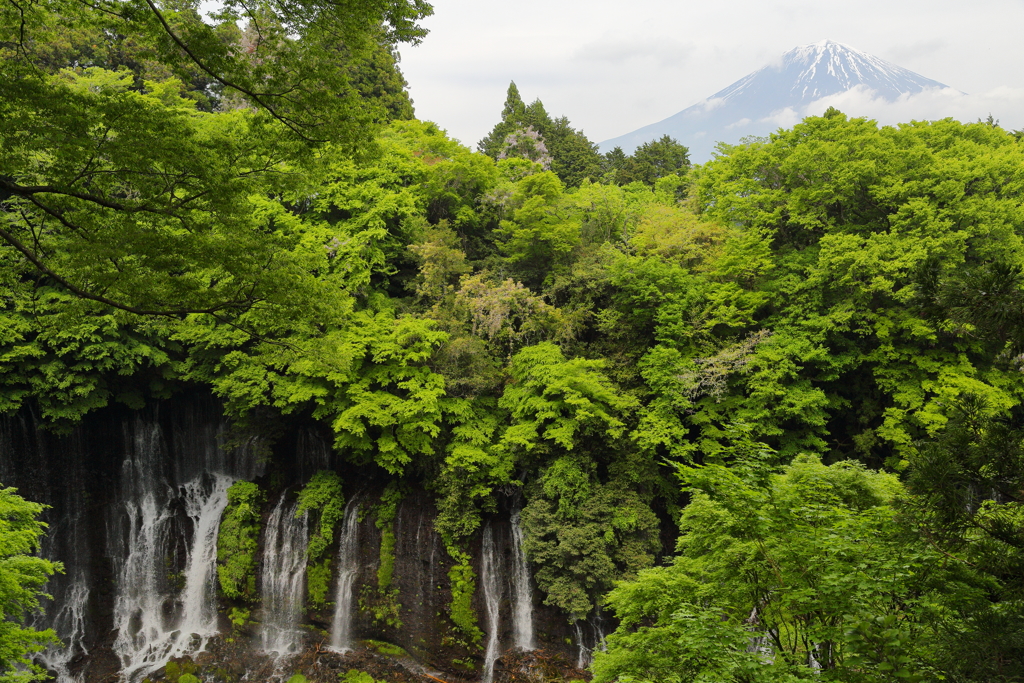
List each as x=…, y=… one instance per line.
x=378, y=78
x=574, y=156
x=513, y=115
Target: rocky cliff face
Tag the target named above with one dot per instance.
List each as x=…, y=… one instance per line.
x=136, y=501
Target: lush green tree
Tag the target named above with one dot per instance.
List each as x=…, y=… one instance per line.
x=801, y=575
x=583, y=535
x=967, y=484
x=574, y=157
x=841, y=224
x=541, y=232
x=529, y=132
x=378, y=79
x=137, y=201
x=513, y=117
x=613, y=160
x=651, y=161
x=23, y=575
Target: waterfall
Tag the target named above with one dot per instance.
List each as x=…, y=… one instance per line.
x=199, y=598
x=283, y=578
x=582, y=653
x=142, y=633
x=69, y=623
x=492, y=599
x=59, y=463
x=597, y=621
x=167, y=517
x=348, y=568
x=522, y=593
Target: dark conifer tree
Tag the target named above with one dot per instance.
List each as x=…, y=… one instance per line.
x=574, y=156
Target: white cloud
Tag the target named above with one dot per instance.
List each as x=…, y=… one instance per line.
x=784, y=118
x=712, y=103
x=662, y=51
x=739, y=124
x=1003, y=102
x=613, y=67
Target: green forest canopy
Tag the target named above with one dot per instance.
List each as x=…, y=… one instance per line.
x=809, y=347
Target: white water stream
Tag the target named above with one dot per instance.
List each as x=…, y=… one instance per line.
x=492, y=601
x=154, y=623
x=522, y=593
x=283, y=578
x=69, y=623
x=172, y=495
x=582, y=653
x=348, y=568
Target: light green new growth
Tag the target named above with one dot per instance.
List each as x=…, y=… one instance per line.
x=356, y=676
x=323, y=496
x=23, y=576
x=383, y=602
x=463, y=585
x=238, y=541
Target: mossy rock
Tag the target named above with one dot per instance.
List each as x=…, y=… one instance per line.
x=386, y=649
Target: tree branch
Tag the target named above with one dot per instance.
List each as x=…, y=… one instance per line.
x=258, y=98
x=85, y=294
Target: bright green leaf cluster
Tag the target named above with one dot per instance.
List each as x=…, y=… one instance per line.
x=322, y=495
x=238, y=541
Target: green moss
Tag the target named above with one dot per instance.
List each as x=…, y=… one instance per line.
x=239, y=617
x=382, y=601
x=181, y=672
x=463, y=584
x=357, y=676
x=386, y=569
x=382, y=604
x=318, y=579
x=386, y=649
x=323, y=497
x=298, y=678
x=238, y=541
x=386, y=510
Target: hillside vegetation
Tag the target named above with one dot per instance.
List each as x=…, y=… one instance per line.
x=775, y=397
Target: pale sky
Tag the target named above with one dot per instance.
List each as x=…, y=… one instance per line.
x=614, y=67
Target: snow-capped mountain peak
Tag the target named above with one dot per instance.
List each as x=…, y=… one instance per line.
x=797, y=79
x=810, y=72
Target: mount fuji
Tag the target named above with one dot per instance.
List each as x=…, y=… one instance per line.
x=779, y=94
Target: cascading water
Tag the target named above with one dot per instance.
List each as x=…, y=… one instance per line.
x=153, y=622
x=597, y=621
x=283, y=578
x=582, y=653
x=522, y=593
x=167, y=516
x=69, y=623
x=492, y=600
x=348, y=568
x=204, y=505
x=138, y=610
x=60, y=465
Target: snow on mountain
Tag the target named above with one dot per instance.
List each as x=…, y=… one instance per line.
x=780, y=94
